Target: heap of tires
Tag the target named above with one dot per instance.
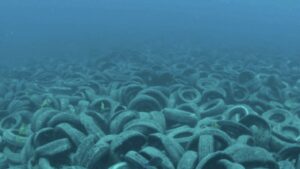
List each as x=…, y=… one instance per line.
x=125, y=115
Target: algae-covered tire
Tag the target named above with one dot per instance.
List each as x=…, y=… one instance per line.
x=212, y=108
x=183, y=135
x=97, y=154
x=188, y=95
x=278, y=116
x=12, y=121
x=87, y=143
x=144, y=126
x=250, y=156
x=263, y=133
x=213, y=93
x=126, y=141
x=172, y=148
x=14, y=138
x=41, y=118
x=211, y=160
x=53, y=148
x=76, y=136
x=135, y=160
x=91, y=125
x=153, y=153
x=64, y=118
x=119, y=121
x=180, y=116
x=3, y=161
x=188, y=160
x=144, y=102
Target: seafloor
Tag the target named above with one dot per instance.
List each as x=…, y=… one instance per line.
x=149, y=110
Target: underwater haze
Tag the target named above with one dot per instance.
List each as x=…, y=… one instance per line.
x=156, y=84
x=79, y=29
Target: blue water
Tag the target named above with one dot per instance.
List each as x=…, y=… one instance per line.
x=77, y=28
